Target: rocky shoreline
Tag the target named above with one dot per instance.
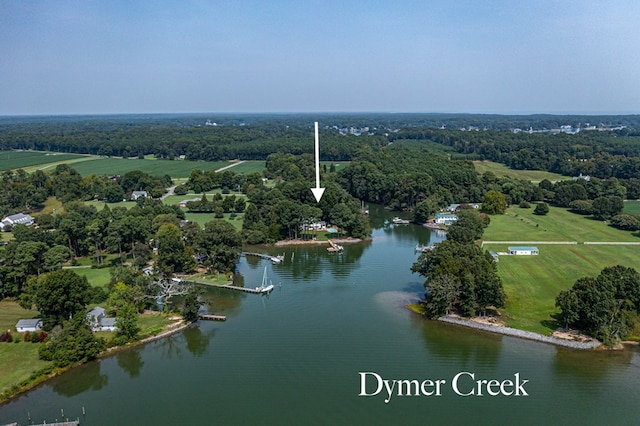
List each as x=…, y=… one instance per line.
x=508, y=331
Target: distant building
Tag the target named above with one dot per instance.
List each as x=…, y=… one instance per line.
x=137, y=194
x=99, y=321
x=523, y=250
x=16, y=219
x=581, y=176
x=446, y=218
x=25, y=325
x=494, y=256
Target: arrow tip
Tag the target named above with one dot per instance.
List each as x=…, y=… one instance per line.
x=317, y=192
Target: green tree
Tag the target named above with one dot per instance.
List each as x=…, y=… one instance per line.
x=58, y=295
x=494, y=202
x=127, y=324
x=541, y=209
x=75, y=343
x=171, y=251
x=191, y=305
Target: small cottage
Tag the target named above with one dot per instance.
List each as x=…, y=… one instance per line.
x=24, y=325
x=138, y=194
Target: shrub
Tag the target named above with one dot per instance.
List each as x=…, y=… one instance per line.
x=541, y=209
x=524, y=204
x=6, y=337
x=27, y=336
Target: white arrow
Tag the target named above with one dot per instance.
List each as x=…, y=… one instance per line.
x=317, y=191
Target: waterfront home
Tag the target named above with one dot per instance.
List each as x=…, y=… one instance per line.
x=99, y=321
x=523, y=250
x=25, y=325
x=446, y=218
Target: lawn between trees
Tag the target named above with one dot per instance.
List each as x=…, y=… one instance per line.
x=532, y=283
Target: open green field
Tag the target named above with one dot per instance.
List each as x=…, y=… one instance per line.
x=17, y=360
x=632, y=207
x=202, y=218
x=97, y=277
x=533, y=282
x=249, y=167
x=501, y=170
x=120, y=166
x=519, y=224
x=10, y=160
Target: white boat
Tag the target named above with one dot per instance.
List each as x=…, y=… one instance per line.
x=264, y=288
x=397, y=221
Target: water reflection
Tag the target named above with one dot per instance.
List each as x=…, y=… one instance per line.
x=459, y=346
x=197, y=341
x=88, y=377
x=130, y=361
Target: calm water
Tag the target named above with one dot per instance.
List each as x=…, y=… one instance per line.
x=294, y=357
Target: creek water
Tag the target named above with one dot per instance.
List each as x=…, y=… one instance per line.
x=296, y=357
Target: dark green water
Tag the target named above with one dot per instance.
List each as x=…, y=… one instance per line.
x=295, y=356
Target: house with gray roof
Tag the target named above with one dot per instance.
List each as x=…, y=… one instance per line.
x=16, y=219
x=24, y=325
x=99, y=321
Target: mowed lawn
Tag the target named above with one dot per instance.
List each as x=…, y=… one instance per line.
x=532, y=283
x=17, y=360
x=501, y=170
x=632, y=207
x=559, y=224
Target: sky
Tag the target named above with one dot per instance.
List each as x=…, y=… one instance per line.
x=449, y=56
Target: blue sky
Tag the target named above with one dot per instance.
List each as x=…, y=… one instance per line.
x=490, y=56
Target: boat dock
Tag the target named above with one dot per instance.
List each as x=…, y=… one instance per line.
x=274, y=259
x=211, y=317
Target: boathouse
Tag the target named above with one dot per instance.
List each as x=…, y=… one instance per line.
x=523, y=250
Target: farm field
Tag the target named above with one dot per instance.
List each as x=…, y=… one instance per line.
x=120, y=166
x=559, y=224
x=11, y=160
x=501, y=170
x=249, y=167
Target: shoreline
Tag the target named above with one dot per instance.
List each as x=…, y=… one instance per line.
x=284, y=243
x=171, y=329
x=528, y=335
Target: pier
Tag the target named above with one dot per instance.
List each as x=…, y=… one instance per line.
x=257, y=290
x=274, y=259
x=211, y=317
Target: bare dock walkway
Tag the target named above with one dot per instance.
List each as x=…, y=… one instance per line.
x=274, y=259
x=212, y=317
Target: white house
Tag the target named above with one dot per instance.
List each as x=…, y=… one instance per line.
x=137, y=194
x=99, y=321
x=16, y=219
x=523, y=250
x=25, y=325
x=446, y=218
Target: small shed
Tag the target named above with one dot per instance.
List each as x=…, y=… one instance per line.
x=523, y=250
x=25, y=325
x=494, y=256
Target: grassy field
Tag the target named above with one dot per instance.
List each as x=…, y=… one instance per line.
x=10, y=160
x=559, y=225
x=632, y=207
x=97, y=277
x=202, y=218
x=501, y=170
x=249, y=167
x=533, y=282
x=17, y=360
x=120, y=166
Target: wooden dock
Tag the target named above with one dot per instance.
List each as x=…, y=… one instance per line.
x=245, y=289
x=211, y=317
x=274, y=259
